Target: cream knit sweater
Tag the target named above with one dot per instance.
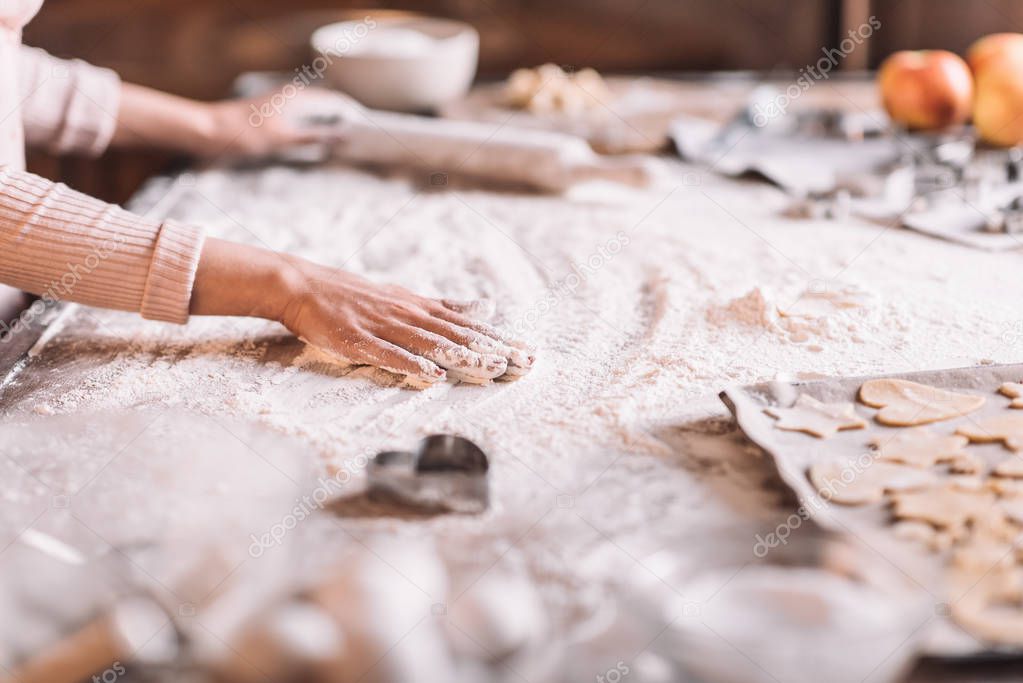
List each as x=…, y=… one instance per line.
x=60, y=243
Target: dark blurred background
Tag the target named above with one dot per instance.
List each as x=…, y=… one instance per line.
x=197, y=47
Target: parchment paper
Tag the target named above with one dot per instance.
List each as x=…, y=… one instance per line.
x=800, y=164
x=793, y=453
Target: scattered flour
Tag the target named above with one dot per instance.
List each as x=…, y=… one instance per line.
x=820, y=312
x=617, y=433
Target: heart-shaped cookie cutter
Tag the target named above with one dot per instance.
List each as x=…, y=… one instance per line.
x=445, y=473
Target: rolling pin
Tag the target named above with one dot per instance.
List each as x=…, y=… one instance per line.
x=543, y=160
x=108, y=642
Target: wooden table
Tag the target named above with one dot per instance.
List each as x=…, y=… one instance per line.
x=615, y=445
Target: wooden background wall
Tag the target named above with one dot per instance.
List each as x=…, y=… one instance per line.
x=196, y=47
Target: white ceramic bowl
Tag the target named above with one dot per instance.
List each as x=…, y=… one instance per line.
x=398, y=61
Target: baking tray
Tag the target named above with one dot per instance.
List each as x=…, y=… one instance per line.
x=964, y=224
x=793, y=452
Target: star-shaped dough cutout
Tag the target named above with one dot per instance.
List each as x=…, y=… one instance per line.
x=921, y=447
x=811, y=416
x=1004, y=427
x=1011, y=468
x=946, y=507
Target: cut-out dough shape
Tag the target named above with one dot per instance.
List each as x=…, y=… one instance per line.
x=966, y=463
x=942, y=541
x=978, y=556
x=920, y=447
x=1013, y=508
x=1013, y=390
x=924, y=534
x=1005, y=488
x=1011, y=467
x=946, y=507
x=904, y=404
x=912, y=530
x=822, y=420
x=850, y=483
x=994, y=525
x=987, y=598
x=1004, y=427
x=966, y=482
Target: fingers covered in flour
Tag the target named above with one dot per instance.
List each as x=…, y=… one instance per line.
x=418, y=370
x=520, y=356
x=460, y=362
x=392, y=328
x=519, y=362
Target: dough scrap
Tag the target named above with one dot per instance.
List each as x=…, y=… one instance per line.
x=1013, y=390
x=904, y=404
x=1011, y=468
x=1004, y=427
x=811, y=416
x=944, y=506
x=920, y=447
x=848, y=482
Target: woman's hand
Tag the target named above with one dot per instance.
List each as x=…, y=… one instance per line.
x=353, y=319
x=277, y=121
x=255, y=127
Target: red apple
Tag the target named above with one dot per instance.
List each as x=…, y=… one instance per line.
x=926, y=89
x=992, y=48
x=998, y=107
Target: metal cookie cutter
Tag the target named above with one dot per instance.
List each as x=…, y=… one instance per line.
x=1008, y=218
x=446, y=473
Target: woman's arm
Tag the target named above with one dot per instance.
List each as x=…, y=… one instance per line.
x=64, y=245
x=73, y=106
x=352, y=318
x=154, y=119
x=66, y=105
x=247, y=127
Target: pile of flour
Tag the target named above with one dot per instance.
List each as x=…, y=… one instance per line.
x=823, y=311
